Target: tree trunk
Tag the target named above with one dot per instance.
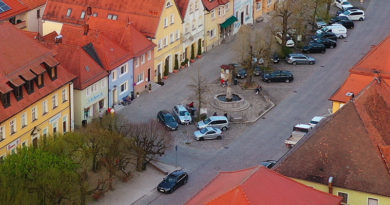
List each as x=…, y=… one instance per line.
x=284, y=30
x=140, y=162
x=328, y=8
x=313, y=24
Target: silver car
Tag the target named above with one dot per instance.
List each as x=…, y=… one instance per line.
x=220, y=122
x=298, y=58
x=208, y=133
x=182, y=115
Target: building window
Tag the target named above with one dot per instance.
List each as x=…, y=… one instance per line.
x=227, y=7
x=45, y=132
x=18, y=92
x=55, y=101
x=38, y=13
x=45, y=108
x=258, y=6
x=172, y=37
x=101, y=105
x=212, y=14
x=143, y=59
x=136, y=62
x=165, y=22
x=344, y=196
x=149, y=55
x=372, y=201
x=12, y=125
x=219, y=11
x=212, y=33
x=40, y=81
x=124, y=87
x=55, y=127
x=64, y=95
x=112, y=16
x=53, y=73
x=29, y=86
x=2, y=133
x=165, y=41
x=69, y=12
x=123, y=70
x=172, y=19
x=114, y=75
x=64, y=124
x=140, y=78
x=247, y=10
x=34, y=113
x=159, y=44
x=177, y=35
x=24, y=120
x=5, y=100
x=82, y=15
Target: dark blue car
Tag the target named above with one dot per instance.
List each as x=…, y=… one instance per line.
x=167, y=119
x=173, y=181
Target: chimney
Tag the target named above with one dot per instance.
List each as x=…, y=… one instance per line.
x=350, y=94
x=330, y=185
x=86, y=29
x=58, y=39
x=89, y=11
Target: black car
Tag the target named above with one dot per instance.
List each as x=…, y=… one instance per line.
x=258, y=71
x=337, y=18
x=328, y=35
x=275, y=58
x=314, y=48
x=167, y=119
x=241, y=73
x=327, y=42
x=173, y=181
x=278, y=76
x=343, y=20
x=268, y=163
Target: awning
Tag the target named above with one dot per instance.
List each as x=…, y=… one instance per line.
x=228, y=22
x=28, y=75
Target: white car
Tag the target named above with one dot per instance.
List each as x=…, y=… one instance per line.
x=289, y=43
x=208, y=133
x=354, y=14
x=344, y=5
x=339, y=30
x=313, y=122
x=339, y=2
x=182, y=115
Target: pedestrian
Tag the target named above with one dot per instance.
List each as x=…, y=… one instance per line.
x=215, y=114
x=225, y=114
x=258, y=89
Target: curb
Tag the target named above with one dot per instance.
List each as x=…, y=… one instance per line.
x=153, y=164
x=262, y=114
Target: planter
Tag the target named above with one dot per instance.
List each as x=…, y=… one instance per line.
x=165, y=77
x=199, y=56
x=192, y=60
x=175, y=71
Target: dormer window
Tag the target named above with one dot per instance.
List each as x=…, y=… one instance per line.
x=69, y=12
x=82, y=15
x=5, y=99
x=53, y=73
x=18, y=92
x=39, y=80
x=29, y=86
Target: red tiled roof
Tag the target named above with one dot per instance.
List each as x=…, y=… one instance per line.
x=123, y=34
x=259, y=185
x=182, y=5
x=110, y=53
x=210, y=5
x=145, y=14
x=351, y=145
x=14, y=63
x=16, y=6
x=32, y=4
x=32, y=35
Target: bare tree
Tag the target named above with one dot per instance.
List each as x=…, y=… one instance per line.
x=146, y=141
x=199, y=88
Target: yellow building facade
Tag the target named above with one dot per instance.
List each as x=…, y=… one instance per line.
x=168, y=38
x=49, y=115
x=336, y=106
x=351, y=197
x=214, y=17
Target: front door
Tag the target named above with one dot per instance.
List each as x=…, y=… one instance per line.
x=242, y=18
x=149, y=75
x=115, y=96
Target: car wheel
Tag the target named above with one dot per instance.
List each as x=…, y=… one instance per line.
x=185, y=181
x=323, y=51
x=361, y=19
x=311, y=62
x=287, y=81
x=294, y=63
x=219, y=137
x=201, y=139
x=224, y=128
x=267, y=81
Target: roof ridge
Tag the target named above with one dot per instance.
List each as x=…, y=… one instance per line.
x=251, y=174
x=383, y=156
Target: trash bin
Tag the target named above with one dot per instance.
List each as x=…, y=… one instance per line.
x=235, y=81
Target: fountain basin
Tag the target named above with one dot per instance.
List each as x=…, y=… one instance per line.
x=223, y=98
x=238, y=103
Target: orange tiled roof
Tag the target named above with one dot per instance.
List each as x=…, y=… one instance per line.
x=145, y=14
x=32, y=4
x=16, y=6
x=353, y=84
x=210, y=5
x=259, y=185
x=123, y=34
x=27, y=64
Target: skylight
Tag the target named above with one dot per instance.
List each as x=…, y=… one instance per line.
x=4, y=7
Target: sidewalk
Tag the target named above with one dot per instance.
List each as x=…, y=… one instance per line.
x=142, y=183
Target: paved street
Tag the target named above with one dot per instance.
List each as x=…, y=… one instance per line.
x=264, y=139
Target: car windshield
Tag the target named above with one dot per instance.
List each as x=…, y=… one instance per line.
x=204, y=130
x=169, y=118
x=207, y=121
x=347, y=12
x=184, y=113
x=171, y=179
x=313, y=122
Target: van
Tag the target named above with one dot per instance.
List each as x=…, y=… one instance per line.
x=339, y=30
x=220, y=122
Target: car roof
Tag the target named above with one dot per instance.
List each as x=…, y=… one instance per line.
x=304, y=126
x=177, y=173
x=165, y=112
x=317, y=118
x=296, y=54
x=181, y=108
x=218, y=118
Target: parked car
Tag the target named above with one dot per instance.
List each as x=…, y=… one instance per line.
x=167, y=119
x=343, y=10
x=208, y=133
x=289, y=42
x=354, y=14
x=220, y=122
x=320, y=23
x=298, y=132
x=298, y=58
x=275, y=58
x=268, y=163
x=182, y=115
x=346, y=23
x=241, y=73
x=339, y=30
x=173, y=181
x=314, y=48
x=328, y=35
x=344, y=5
x=278, y=76
x=313, y=122
x=257, y=71
x=327, y=42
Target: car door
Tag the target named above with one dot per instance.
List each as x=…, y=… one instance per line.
x=210, y=134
